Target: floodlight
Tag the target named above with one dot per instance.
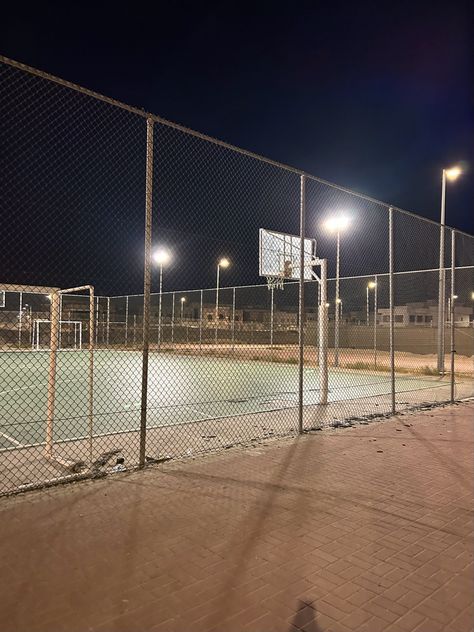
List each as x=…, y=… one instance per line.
x=371, y=285
x=453, y=173
x=337, y=223
x=161, y=256
x=224, y=263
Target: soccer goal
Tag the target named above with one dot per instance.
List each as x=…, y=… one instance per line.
x=70, y=334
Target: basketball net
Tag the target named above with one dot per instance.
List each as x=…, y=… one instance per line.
x=275, y=282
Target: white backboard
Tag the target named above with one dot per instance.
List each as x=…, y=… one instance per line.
x=280, y=255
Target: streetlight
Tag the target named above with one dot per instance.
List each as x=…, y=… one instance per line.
x=183, y=301
x=161, y=257
x=450, y=174
x=223, y=263
x=335, y=225
x=371, y=285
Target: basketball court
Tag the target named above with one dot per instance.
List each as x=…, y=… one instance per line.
x=183, y=388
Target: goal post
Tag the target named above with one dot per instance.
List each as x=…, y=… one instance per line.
x=54, y=344
x=77, y=331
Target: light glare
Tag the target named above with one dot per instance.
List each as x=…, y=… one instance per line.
x=224, y=263
x=453, y=173
x=337, y=223
x=161, y=256
x=371, y=285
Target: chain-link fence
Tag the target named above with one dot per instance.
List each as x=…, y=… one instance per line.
x=111, y=361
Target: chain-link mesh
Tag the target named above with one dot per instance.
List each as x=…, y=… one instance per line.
x=113, y=358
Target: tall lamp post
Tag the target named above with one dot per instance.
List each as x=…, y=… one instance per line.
x=183, y=301
x=448, y=174
x=223, y=263
x=161, y=257
x=371, y=285
x=335, y=225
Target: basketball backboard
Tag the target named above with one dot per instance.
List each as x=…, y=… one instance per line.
x=280, y=255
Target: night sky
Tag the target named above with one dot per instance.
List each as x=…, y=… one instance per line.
x=375, y=98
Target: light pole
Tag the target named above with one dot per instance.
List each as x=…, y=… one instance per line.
x=448, y=174
x=223, y=263
x=371, y=285
x=183, y=301
x=336, y=224
x=161, y=257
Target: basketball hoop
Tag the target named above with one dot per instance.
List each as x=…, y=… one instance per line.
x=275, y=282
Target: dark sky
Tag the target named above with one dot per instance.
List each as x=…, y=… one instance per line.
x=374, y=96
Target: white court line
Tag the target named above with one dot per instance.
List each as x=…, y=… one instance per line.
x=44, y=386
x=198, y=412
x=11, y=439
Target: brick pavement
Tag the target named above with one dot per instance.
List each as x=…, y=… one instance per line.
x=368, y=528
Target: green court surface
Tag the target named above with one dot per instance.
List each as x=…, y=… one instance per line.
x=182, y=389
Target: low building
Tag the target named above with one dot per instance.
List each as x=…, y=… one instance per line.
x=424, y=315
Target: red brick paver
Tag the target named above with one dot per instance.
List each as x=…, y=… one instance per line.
x=368, y=528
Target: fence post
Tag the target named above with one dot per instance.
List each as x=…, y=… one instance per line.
x=391, y=306
x=146, y=286
x=323, y=335
x=271, y=317
x=96, y=320
x=233, y=319
x=107, y=335
x=92, y=326
x=301, y=307
x=20, y=318
x=200, y=321
x=376, y=288
x=442, y=279
x=452, y=316
x=126, y=321
x=172, y=317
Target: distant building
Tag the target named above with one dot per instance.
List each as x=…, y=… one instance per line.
x=424, y=315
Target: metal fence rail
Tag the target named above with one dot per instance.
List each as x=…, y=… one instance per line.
x=109, y=361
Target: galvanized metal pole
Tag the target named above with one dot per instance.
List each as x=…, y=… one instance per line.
x=159, y=305
x=233, y=319
x=336, y=312
x=200, y=321
x=107, y=336
x=453, y=350
x=20, y=318
x=217, y=299
x=441, y=279
x=146, y=286
x=301, y=306
x=91, y=372
x=126, y=321
x=172, y=317
x=367, y=307
x=323, y=335
x=96, y=320
x=376, y=287
x=391, y=256
x=53, y=349
x=271, y=316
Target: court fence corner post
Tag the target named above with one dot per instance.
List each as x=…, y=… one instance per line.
x=301, y=306
x=452, y=315
x=146, y=288
x=391, y=255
